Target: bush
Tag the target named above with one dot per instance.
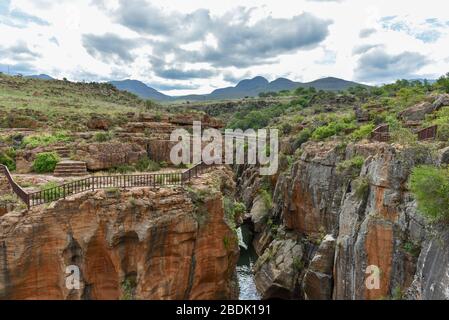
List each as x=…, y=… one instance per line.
x=443, y=83
x=363, y=132
x=146, y=164
x=302, y=138
x=103, y=136
x=361, y=188
x=430, y=186
x=45, y=162
x=332, y=129
x=443, y=132
x=354, y=164
x=403, y=136
x=123, y=169
x=43, y=140
x=8, y=159
x=266, y=197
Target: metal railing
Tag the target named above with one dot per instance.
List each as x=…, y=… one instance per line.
x=22, y=194
x=103, y=182
x=427, y=133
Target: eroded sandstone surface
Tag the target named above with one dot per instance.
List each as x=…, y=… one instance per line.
x=133, y=244
x=342, y=221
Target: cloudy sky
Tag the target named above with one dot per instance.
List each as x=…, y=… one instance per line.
x=195, y=46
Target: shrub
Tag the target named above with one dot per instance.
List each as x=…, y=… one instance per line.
x=232, y=209
x=128, y=289
x=43, y=140
x=443, y=132
x=324, y=132
x=45, y=162
x=443, y=83
x=302, y=138
x=286, y=128
x=103, y=136
x=403, y=136
x=363, y=132
x=430, y=186
x=266, y=197
x=354, y=164
x=123, y=169
x=332, y=129
x=163, y=164
x=146, y=164
x=239, y=208
x=6, y=160
x=412, y=248
x=361, y=187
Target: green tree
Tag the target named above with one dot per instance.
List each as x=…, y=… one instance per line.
x=443, y=83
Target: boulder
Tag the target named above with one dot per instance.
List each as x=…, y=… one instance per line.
x=417, y=112
x=318, y=278
x=444, y=156
x=98, y=123
x=441, y=100
x=259, y=213
x=277, y=270
x=103, y=156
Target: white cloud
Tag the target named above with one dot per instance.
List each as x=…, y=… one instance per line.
x=53, y=37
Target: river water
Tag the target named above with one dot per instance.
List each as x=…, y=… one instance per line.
x=245, y=264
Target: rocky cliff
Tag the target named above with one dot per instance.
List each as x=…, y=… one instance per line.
x=332, y=225
x=135, y=244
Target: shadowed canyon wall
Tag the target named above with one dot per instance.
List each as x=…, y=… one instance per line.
x=329, y=223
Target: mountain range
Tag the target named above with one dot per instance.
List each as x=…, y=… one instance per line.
x=245, y=88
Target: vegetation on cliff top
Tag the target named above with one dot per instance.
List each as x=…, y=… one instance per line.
x=430, y=186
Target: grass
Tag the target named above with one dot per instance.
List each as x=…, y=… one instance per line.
x=63, y=105
x=103, y=136
x=145, y=165
x=45, y=139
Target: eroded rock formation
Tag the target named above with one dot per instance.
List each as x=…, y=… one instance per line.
x=140, y=243
x=346, y=220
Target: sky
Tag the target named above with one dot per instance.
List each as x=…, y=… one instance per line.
x=183, y=47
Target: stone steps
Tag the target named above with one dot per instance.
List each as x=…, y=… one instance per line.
x=63, y=152
x=70, y=168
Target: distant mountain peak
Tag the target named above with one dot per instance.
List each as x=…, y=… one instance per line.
x=253, y=83
x=139, y=88
x=41, y=77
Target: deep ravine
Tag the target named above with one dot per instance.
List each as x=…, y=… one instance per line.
x=245, y=265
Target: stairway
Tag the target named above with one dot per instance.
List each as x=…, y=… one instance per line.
x=69, y=168
x=62, y=151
